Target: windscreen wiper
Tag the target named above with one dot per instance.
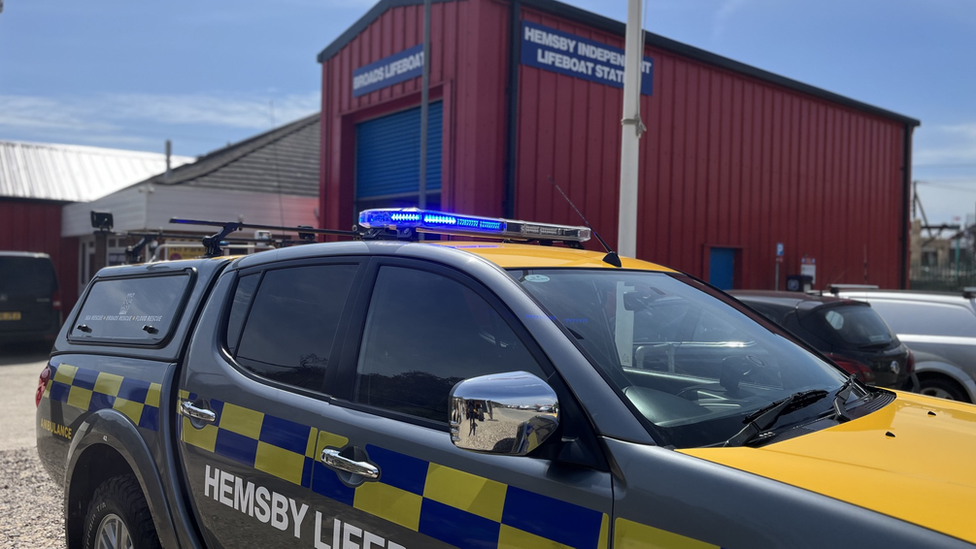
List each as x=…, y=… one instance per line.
x=762, y=419
x=840, y=399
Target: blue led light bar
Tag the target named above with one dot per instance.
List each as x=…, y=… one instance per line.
x=427, y=221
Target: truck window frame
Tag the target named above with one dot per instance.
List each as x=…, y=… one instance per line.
x=172, y=328
x=324, y=391
x=343, y=379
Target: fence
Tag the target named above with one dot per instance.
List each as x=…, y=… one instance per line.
x=942, y=278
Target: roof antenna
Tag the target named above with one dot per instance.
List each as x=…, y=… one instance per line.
x=611, y=257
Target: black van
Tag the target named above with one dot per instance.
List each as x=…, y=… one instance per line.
x=30, y=305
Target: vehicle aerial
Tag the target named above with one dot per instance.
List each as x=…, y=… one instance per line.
x=30, y=305
x=849, y=332
x=940, y=328
x=384, y=392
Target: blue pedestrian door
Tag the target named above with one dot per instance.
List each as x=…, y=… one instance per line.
x=721, y=268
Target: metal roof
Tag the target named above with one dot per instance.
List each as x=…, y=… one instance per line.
x=284, y=161
x=73, y=173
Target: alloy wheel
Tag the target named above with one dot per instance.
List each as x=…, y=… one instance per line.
x=112, y=533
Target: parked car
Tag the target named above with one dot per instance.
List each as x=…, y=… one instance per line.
x=850, y=332
x=940, y=328
x=30, y=306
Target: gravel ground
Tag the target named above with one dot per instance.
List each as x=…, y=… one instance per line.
x=31, y=510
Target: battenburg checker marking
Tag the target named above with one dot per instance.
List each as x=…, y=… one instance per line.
x=91, y=390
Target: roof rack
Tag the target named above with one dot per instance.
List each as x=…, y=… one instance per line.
x=837, y=288
x=396, y=224
x=133, y=254
x=213, y=242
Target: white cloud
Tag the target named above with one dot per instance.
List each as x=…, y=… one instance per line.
x=133, y=118
x=248, y=112
x=43, y=113
x=946, y=145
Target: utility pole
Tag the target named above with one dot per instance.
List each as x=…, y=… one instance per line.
x=424, y=94
x=632, y=129
x=169, y=156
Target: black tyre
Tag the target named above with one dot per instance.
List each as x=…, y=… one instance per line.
x=942, y=388
x=119, y=518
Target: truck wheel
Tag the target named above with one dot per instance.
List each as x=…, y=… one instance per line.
x=119, y=518
x=942, y=388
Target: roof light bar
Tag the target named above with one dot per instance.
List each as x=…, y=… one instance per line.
x=404, y=220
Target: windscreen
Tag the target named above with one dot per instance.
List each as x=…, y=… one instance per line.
x=688, y=361
x=27, y=276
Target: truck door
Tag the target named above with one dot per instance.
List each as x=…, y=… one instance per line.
x=252, y=397
x=417, y=330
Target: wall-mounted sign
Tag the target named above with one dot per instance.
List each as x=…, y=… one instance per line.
x=558, y=51
x=394, y=69
x=808, y=267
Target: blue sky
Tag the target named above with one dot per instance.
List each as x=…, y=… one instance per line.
x=126, y=74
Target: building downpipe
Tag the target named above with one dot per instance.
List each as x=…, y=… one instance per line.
x=906, y=209
x=511, y=153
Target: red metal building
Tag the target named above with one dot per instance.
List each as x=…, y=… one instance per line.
x=735, y=159
x=35, y=226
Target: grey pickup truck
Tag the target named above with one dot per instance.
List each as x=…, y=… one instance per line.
x=480, y=393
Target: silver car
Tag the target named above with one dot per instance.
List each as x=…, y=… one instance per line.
x=940, y=328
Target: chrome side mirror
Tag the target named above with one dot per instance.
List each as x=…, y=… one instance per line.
x=511, y=413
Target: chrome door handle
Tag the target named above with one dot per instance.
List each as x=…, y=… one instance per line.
x=202, y=414
x=331, y=458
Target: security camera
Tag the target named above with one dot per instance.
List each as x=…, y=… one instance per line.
x=102, y=221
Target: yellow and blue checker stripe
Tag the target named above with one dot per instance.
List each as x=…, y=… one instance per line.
x=628, y=534
x=90, y=390
x=276, y=446
x=453, y=506
x=463, y=509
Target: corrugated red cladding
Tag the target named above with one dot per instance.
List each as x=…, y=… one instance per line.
x=728, y=160
x=29, y=226
x=469, y=41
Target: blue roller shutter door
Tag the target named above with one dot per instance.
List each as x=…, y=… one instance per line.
x=388, y=154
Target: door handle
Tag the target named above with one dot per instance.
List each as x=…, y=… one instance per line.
x=203, y=414
x=331, y=458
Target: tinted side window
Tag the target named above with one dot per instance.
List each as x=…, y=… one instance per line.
x=289, y=331
x=426, y=332
x=131, y=310
x=238, y=309
x=927, y=319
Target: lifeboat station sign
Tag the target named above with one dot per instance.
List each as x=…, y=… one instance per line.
x=558, y=51
x=394, y=69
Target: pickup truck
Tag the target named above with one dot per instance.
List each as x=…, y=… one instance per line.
x=473, y=394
